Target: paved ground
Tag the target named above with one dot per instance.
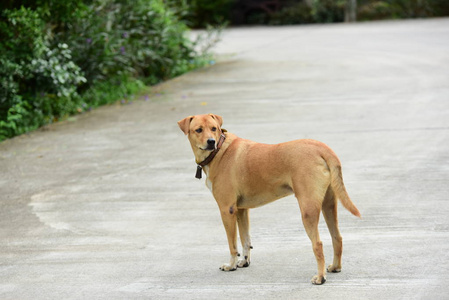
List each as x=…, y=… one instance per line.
x=106, y=206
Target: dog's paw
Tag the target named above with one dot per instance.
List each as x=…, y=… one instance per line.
x=243, y=263
x=228, y=268
x=334, y=269
x=318, y=280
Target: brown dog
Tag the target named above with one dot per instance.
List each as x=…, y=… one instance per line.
x=242, y=174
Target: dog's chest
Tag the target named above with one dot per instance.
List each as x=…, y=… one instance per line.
x=208, y=182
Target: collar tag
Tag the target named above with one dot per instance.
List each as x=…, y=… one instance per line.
x=198, y=172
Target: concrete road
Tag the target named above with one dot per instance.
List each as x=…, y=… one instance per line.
x=106, y=206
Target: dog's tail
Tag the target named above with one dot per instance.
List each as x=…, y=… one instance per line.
x=337, y=184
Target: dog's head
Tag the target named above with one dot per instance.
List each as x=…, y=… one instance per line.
x=203, y=132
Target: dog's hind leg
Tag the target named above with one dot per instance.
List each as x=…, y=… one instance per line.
x=310, y=202
x=330, y=215
x=310, y=218
x=243, y=224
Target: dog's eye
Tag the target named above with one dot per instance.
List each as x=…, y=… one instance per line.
x=214, y=128
x=199, y=130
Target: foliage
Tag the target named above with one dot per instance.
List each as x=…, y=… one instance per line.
x=297, y=13
x=201, y=13
x=300, y=12
x=121, y=88
x=58, y=58
x=56, y=73
x=22, y=41
x=328, y=11
x=395, y=9
x=142, y=38
x=19, y=119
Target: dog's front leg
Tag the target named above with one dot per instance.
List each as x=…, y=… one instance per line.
x=229, y=218
x=243, y=223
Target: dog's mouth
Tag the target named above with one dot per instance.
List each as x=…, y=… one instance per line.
x=210, y=145
x=208, y=148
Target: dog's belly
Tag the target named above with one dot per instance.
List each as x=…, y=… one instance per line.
x=252, y=200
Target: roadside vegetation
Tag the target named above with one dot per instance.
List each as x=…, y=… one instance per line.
x=59, y=58
x=286, y=12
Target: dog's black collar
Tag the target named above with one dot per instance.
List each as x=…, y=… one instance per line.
x=211, y=156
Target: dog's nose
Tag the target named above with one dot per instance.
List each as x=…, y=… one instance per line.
x=211, y=142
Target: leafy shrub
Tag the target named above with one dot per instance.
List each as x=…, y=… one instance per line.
x=56, y=73
x=22, y=41
x=201, y=13
x=21, y=32
x=61, y=58
x=38, y=84
x=395, y=9
x=375, y=10
x=293, y=12
x=19, y=119
x=142, y=38
x=161, y=49
x=121, y=88
x=328, y=11
x=299, y=13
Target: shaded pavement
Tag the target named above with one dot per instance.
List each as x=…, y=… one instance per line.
x=106, y=206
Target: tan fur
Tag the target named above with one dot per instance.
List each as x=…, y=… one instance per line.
x=245, y=175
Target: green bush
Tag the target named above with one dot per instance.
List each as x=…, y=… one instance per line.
x=328, y=11
x=18, y=120
x=143, y=38
x=58, y=58
x=293, y=12
x=153, y=33
x=299, y=13
x=201, y=13
x=38, y=84
x=396, y=9
x=56, y=73
x=21, y=33
x=121, y=88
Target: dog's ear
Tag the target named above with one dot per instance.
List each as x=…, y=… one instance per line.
x=184, y=124
x=218, y=118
